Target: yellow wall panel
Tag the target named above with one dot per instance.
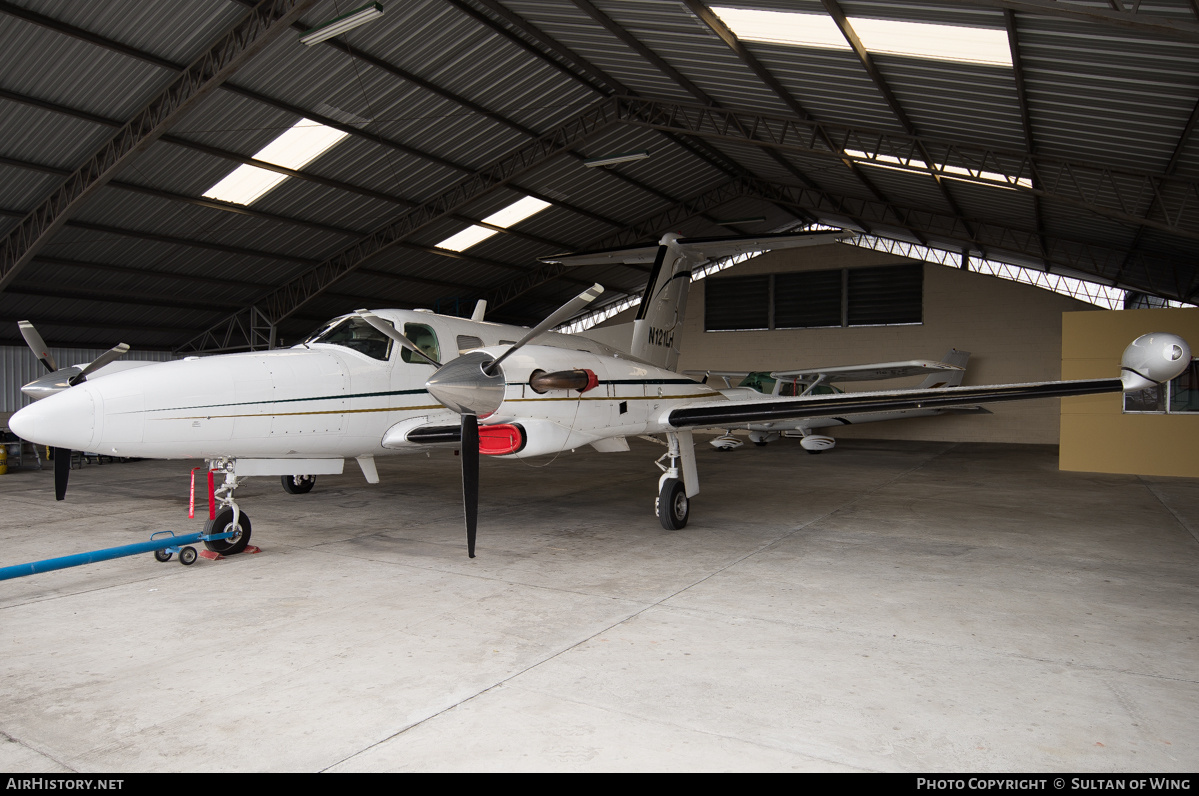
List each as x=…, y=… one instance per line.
x=1096, y=436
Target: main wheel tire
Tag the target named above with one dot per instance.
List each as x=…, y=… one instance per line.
x=298, y=484
x=673, y=505
x=223, y=523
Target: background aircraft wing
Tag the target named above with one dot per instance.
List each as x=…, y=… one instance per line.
x=873, y=372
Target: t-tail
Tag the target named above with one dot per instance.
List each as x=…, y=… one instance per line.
x=657, y=329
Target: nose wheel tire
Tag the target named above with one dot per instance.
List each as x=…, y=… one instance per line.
x=223, y=523
x=673, y=506
x=298, y=484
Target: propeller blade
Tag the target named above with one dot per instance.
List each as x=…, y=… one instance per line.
x=394, y=333
x=38, y=345
x=62, y=470
x=562, y=313
x=114, y=353
x=470, y=478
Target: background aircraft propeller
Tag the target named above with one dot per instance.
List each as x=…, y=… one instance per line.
x=60, y=379
x=37, y=345
x=473, y=386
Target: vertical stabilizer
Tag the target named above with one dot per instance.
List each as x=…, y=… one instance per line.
x=952, y=378
x=657, y=330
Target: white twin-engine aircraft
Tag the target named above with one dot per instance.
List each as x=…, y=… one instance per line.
x=394, y=381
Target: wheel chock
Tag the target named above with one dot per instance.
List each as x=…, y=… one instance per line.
x=214, y=556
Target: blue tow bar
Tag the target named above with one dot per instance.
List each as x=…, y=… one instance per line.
x=157, y=542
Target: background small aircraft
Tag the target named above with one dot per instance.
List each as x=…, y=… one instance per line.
x=394, y=381
x=946, y=372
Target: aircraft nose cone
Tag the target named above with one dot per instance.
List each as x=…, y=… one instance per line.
x=64, y=420
x=462, y=385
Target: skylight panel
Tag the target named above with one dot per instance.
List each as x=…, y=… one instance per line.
x=298, y=146
x=916, y=166
x=784, y=27
x=958, y=43
x=512, y=214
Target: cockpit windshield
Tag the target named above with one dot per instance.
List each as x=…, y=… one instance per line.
x=356, y=334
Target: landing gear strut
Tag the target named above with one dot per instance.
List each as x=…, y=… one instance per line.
x=673, y=505
x=229, y=518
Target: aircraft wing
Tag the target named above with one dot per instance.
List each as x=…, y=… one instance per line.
x=727, y=413
x=874, y=372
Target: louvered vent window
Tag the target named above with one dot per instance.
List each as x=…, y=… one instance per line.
x=737, y=303
x=885, y=296
x=807, y=299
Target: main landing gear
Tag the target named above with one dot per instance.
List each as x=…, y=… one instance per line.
x=673, y=505
x=228, y=518
x=298, y=484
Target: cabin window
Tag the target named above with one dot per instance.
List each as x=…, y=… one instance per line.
x=468, y=341
x=759, y=381
x=357, y=335
x=425, y=339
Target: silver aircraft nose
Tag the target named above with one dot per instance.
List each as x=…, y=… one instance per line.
x=64, y=420
x=461, y=385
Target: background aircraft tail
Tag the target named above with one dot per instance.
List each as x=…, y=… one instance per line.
x=947, y=378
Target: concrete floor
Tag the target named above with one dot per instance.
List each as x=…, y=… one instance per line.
x=889, y=606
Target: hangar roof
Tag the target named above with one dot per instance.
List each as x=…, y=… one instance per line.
x=1076, y=155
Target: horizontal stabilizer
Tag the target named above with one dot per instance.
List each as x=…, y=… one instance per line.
x=698, y=249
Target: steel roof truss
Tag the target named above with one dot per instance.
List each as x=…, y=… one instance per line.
x=265, y=23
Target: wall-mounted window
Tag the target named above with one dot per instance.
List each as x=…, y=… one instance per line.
x=882, y=296
x=1177, y=397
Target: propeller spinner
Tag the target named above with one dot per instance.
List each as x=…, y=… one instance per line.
x=56, y=380
x=473, y=386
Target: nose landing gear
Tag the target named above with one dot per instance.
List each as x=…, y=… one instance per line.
x=228, y=518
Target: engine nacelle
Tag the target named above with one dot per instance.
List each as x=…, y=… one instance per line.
x=1153, y=359
x=817, y=443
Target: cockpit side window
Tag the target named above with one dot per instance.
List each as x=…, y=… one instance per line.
x=425, y=339
x=758, y=381
x=358, y=335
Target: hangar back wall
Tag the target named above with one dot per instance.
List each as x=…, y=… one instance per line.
x=1014, y=332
